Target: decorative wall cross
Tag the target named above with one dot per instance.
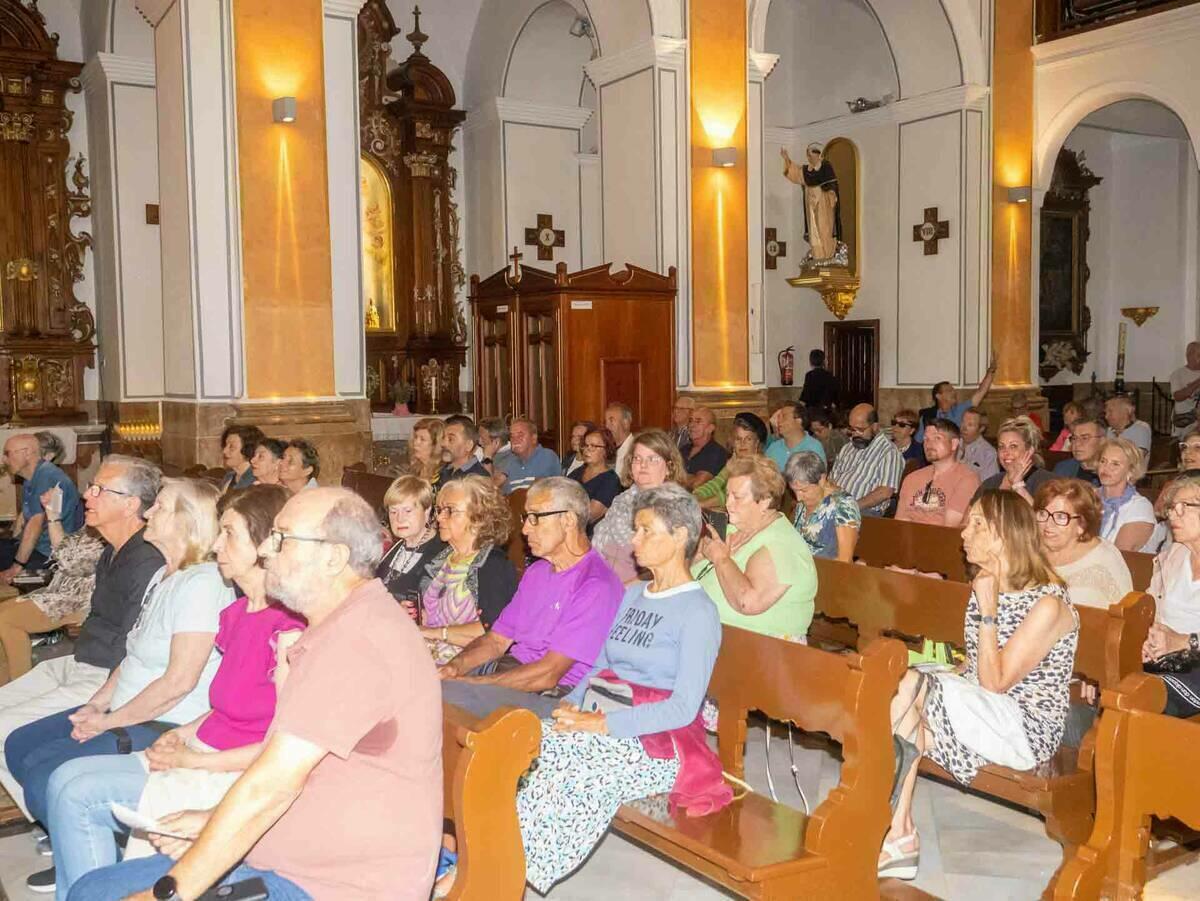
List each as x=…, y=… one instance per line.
x=930, y=230
x=545, y=237
x=774, y=248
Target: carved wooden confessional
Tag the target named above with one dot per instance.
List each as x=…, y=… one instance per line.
x=45, y=332
x=412, y=268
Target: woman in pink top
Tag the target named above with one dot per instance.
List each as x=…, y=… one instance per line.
x=191, y=766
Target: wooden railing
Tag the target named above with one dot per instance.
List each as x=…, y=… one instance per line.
x=1162, y=408
x=1059, y=18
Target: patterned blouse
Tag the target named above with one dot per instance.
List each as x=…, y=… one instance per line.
x=70, y=590
x=819, y=528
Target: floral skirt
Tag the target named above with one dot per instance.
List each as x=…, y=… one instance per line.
x=569, y=801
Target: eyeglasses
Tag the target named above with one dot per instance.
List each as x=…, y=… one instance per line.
x=533, y=517
x=595, y=446
x=96, y=489
x=903, y=424
x=1179, y=508
x=1060, y=517
x=277, y=538
x=439, y=512
x=651, y=460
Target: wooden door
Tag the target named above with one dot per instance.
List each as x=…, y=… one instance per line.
x=493, y=361
x=540, y=375
x=852, y=355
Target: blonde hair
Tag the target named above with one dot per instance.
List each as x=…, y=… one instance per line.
x=658, y=442
x=409, y=488
x=487, y=510
x=196, y=503
x=1013, y=521
x=766, y=481
x=434, y=428
x=1026, y=428
x=1133, y=454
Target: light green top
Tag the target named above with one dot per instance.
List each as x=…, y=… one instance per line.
x=787, y=618
x=714, y=487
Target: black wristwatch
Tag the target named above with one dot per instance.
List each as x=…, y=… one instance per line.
x=165, y=889
x=1194, y=642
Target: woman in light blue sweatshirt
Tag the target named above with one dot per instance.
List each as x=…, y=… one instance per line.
x=664, y=641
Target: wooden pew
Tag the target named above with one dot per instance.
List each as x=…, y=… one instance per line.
x=879, y=602
x=370, y=486
x=937, y=549
x=755, y=847
x=481, y=763
x=1145, y=764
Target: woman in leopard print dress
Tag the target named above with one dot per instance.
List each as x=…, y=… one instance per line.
x=1008, y=704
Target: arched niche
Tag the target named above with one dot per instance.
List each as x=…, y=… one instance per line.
x=546, y=63
x=378, y=248
x=843, y=156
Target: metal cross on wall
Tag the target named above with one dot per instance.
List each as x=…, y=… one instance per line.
x=773, y=247
x=930, y=230
x=545, y=237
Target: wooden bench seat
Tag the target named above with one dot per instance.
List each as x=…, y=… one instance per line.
x=937, y=549
x=879, y=602
x=482, y=760
x=756, y=847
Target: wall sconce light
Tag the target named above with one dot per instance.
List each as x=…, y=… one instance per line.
x=283, y=109
x=724, y=157
x=1023, y=194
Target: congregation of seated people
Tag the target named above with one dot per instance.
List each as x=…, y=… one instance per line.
x=235, y=677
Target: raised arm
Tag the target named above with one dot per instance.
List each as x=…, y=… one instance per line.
x=985, y=385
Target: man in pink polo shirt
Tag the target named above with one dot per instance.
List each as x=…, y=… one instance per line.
x=940, y=493
x=345, y=800
x=548, y=636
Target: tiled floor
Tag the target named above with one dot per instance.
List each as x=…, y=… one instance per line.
x=971, y=848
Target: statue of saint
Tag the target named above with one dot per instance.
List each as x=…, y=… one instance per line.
x=372, y=315
x=822, y=207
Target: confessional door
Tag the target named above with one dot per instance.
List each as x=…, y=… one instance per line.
x=494, y=360
x=852, y=355
x=540, y=370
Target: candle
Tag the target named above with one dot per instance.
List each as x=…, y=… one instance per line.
x=1121, y=340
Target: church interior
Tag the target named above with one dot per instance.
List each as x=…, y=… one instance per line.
x=931, y=266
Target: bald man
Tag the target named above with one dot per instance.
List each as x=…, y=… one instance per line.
x=870, y=466
x=1185, y=389
x=356, y=740
x=29, y=549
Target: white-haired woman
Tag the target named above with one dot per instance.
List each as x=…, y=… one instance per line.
x=827, y=518
x=1127, y=518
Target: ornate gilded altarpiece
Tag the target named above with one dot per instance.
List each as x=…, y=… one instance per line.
x=45, y=332
x=412, y=264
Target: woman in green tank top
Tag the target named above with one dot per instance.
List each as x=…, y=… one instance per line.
x=761, y=575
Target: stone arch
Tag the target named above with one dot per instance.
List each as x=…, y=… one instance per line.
x=1074, y=111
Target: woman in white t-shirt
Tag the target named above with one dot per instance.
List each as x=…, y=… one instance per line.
x=1176, y=589
x=1068, y=517
x=1127, y=518
x=170, y=655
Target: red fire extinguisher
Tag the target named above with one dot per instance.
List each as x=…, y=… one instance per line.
x=787, y=365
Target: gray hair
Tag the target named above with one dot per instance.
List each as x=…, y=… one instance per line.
x=805, y=467
x=677, y=509
x=50, y=446
x=139, y=478
x=352, y=522
x=565, y=494
x=623, y=409
x=497, y=428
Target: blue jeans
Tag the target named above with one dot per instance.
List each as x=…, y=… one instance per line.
x=81, y=823
x=124, y=879
x=36, y=750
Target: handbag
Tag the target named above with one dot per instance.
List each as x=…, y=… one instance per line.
x=604, y=696
x=1175, y=663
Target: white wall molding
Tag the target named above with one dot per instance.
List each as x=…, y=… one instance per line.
x=962, y=97
x=110, y=68
x=759, y=65
x=526, y=112
x=663, y=52
x=154, y=10
x=343, y=9
x=1173, y=25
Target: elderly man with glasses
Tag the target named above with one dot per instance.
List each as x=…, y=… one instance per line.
x=548, y=636
x=869, y=467
x=31, y=550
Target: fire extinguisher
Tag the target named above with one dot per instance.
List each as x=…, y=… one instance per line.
x=787, y=365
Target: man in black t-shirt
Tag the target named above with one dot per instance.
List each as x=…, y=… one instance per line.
x=123, y=489
x=820, y=385
x=705, y=458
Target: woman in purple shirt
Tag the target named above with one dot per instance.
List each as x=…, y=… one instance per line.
x=191, y=766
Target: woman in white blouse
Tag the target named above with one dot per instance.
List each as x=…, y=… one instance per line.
x=1068, y=518
x=1127, y=518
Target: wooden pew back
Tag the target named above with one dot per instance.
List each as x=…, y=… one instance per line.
x=481, y=763
x=370, y=486
x=1145, y=763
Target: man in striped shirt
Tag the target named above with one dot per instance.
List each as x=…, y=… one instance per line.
x=870, y=466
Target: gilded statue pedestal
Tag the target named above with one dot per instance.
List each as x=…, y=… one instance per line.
x=837, y=287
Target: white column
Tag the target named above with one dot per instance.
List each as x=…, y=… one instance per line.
x=345, y=214
x=124, y=165
x=758, y=67
x=200, y=225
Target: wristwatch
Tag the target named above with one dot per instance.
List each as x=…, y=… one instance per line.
x=165, y=889
x=1194, y=641
x=987, y=621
